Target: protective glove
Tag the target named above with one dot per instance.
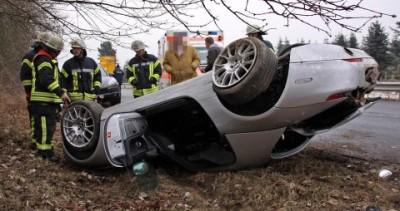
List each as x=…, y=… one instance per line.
x=96, y=90
x=65, y=98
x=153, y=80
x=134, y=82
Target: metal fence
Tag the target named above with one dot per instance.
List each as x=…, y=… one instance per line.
x=388, y=86
x=386, y=90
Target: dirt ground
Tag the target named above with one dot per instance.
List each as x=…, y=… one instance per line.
x=313, y=180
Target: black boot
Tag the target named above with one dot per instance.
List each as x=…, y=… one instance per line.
x=48, y=155
x=32, y=146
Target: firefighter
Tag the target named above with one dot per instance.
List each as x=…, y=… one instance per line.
x=46, y=95
x=255, y=31
x=143, y=70
x=26, y=71
x=118, y=74
x=80, y=75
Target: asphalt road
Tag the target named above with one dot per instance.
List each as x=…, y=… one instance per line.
x=373, y=135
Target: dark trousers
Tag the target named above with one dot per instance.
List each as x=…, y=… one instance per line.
x=30, y=122
x=43, y=123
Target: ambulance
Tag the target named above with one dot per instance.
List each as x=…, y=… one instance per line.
x=194, y=39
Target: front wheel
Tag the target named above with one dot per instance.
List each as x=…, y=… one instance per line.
x=80, y=126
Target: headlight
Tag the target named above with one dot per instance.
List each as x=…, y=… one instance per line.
x=120, y=128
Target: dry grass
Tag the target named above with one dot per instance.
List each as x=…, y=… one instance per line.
x=313, y=180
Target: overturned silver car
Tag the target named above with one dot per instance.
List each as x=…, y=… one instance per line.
x=254, y=106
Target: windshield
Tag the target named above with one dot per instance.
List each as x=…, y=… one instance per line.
x=103, y=72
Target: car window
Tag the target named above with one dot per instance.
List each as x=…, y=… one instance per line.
x=103, y=72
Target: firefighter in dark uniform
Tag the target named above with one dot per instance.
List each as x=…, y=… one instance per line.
x=26, y=73
x=143, y=71
x=255, y=31
x=46, y=95
x=80, y=75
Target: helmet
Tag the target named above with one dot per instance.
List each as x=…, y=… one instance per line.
x=53, y=41
x=78, y=43
x=138, y=45
x=254, y=29
x=41, y=37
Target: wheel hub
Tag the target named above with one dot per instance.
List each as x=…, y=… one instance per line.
x=77, y=130
x=78, y=126
x=233, y=64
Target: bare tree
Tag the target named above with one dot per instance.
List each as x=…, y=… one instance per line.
x=114, y=18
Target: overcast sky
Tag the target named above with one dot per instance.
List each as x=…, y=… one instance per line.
x=234, y=29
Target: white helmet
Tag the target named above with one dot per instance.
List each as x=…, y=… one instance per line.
x=78, y=43
x=138, y=45
x=41, y=36
x=53, y=41
x=254, y=29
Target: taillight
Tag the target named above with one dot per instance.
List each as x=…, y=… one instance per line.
x=372, y=75
x=336, y=96
x=353, y=60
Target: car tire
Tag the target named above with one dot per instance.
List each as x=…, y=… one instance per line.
x=80, y=127
x=243, y=70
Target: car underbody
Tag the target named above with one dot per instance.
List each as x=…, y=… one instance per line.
x=228, y=118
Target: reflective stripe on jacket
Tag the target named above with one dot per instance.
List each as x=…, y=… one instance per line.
x=80, y=76
x=144, y=73
x=75, y=96
x=26, y=71
x=45, y=81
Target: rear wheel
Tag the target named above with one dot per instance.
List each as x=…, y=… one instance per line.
x=80, y=127
x=243, y=70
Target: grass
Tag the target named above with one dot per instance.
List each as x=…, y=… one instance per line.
x=313, y=180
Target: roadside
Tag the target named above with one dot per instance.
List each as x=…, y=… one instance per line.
x=316, y=179
x=373, y=135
